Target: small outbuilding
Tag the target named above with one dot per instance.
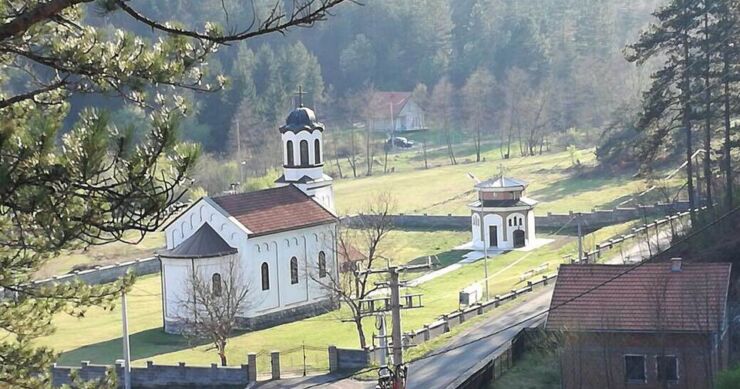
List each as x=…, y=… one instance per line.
x=654, y=325
x=502, y=218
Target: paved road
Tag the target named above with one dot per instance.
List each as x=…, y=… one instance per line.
x=441, y=370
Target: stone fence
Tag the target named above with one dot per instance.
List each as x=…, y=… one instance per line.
x=643, y=230
x=158, y=376
x=596, y=218
x=455, y=318
x=99, y=274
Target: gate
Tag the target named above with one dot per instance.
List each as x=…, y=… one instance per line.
x=304, y=360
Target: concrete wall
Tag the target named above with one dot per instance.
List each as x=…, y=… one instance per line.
x=159, y=376
x=595, y=219
x=100, y=274
x=347, y=359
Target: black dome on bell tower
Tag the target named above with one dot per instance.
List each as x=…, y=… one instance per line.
x=301, y=119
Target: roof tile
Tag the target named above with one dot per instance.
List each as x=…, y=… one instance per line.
x=274, y=210
x=648, y=298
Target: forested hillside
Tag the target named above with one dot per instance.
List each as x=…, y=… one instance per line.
x=522, y=72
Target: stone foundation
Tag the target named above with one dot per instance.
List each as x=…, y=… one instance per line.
x=268, y=320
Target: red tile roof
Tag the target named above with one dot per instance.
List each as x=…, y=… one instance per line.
x=649, y=298
x=381, y=101
x=274, y=210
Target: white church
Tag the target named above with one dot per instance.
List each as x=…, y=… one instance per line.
x=283, y=239
x=502, y=218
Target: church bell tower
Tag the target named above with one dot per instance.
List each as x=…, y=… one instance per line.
x=303, y=160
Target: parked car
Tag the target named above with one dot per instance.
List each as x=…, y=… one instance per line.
x=400, y=142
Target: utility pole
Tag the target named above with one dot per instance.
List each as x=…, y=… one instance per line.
x=239, y=154
x=394, y=376
x=126, y=350
x=485, y=263
x=380, y=325
x=580, y=239
x=396, y=317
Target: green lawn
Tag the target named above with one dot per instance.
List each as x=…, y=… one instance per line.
x=448, y=189
x=97, y=336
x=442, y=189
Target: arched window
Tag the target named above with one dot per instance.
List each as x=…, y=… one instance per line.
x=521, y=221
x=304, y=153
x=265, y=276
x=289, y=152
x=294, y=270
x=322, y=264
x=216, y=287
x=509, y=222
x=317, y=151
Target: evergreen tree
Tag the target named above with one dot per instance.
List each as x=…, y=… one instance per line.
x=671, y=90
x=93, y=184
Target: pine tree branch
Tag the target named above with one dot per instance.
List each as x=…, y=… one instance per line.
x=41, y=12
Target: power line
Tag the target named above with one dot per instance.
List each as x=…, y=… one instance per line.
x=536, y=315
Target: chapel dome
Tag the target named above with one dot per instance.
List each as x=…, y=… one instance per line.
x=302, y=118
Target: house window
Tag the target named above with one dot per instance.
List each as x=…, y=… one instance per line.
x=216, y=284
x=304, y=153
x=322, y=264
x=294, y=270
x=667, y=367
x=521, y=221
x=634, y=368
x=509, y=222
x=265, y=276
x=289, y=152
x=317, y=151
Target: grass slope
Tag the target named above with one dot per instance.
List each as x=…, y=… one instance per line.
x=97, y=336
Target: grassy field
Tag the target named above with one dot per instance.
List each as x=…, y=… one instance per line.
x=97, y=336
x=448, y=189
x=442, y=189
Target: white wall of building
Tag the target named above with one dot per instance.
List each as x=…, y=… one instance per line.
x=276, y=250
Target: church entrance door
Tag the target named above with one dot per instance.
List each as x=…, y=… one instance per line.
x=519, y=238
x=493, y=236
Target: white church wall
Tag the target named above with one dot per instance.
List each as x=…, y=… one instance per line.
x=514, y=221
x=494, y=220
x=532, y=229
x=203, y=212
x=475, y=226
x=296, y=138
x=277, y=250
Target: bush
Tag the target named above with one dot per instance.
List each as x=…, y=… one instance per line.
x=729, y=379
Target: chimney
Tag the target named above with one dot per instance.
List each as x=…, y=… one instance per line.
x=676, y=264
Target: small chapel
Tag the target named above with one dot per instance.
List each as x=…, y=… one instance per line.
x=282, y=239
x=502, y=218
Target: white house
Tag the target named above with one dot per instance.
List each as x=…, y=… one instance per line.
x=282, y=238
x=502, y=218
x=406, y=114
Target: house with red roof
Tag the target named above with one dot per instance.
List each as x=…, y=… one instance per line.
x=654, y=325
x=396, y=111
x=282, y=240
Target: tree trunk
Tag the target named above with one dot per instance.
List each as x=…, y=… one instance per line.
x=707, y=113
x=477, y=143
x=368, y=156
x=424, y=149
x=727, y=146
x=360, y=333
x=686, y=123
x=450, y=151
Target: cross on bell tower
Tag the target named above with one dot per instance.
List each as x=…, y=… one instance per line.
x=300, y=94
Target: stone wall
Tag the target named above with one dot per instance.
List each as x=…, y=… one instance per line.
x=101, y=274
x=268, y=320
x=159, y=376
x=597, y=218
x=347, y=359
